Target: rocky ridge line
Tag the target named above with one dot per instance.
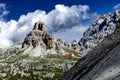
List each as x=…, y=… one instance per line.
x=105, y=25
x=104, y=58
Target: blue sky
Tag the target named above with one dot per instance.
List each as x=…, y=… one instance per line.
x=65, y=19
x=19, y=7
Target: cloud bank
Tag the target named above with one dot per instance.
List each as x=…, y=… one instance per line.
x=65, y=22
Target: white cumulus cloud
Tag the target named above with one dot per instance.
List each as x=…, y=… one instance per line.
x=117, y=6
x=66, y=22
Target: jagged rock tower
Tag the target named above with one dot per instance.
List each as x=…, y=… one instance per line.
x=39, y=26
x=38, y=36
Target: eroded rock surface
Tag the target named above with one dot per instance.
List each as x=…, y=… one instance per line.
x=38, y=36
x=103, y=26
x=101, y=63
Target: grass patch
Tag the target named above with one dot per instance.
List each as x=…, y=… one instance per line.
x=49, y=47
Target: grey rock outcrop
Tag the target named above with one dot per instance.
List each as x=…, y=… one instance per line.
x=66, y=44
x=39, y=26
x=60, y=43
x=38, y=36
x=75, y=45
x=104, y=26
x=101, y=63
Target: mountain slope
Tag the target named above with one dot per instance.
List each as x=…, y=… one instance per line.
x=38, y=57
x=105, y=25
x=101, y=63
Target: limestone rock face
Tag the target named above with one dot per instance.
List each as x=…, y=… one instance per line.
x=66, y=44
x=39, y=26
x=38, y=36
x=101, y=63
x=103, y=26
x=75, y=45
x=60, y=43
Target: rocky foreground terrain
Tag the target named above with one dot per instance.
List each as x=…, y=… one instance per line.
x=101, y=63
x=38, y=57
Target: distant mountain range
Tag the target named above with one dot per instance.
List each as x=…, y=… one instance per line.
x=105, y=25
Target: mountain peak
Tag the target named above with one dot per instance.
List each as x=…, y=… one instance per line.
x=39, y=36
x=39, y=26
x=105, y=25
x=101, y=63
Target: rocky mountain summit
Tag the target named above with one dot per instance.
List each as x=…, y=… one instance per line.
x=101, y=63
x=39, y=39
x=39, y=57
x=38, y=36
x=105, y=25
